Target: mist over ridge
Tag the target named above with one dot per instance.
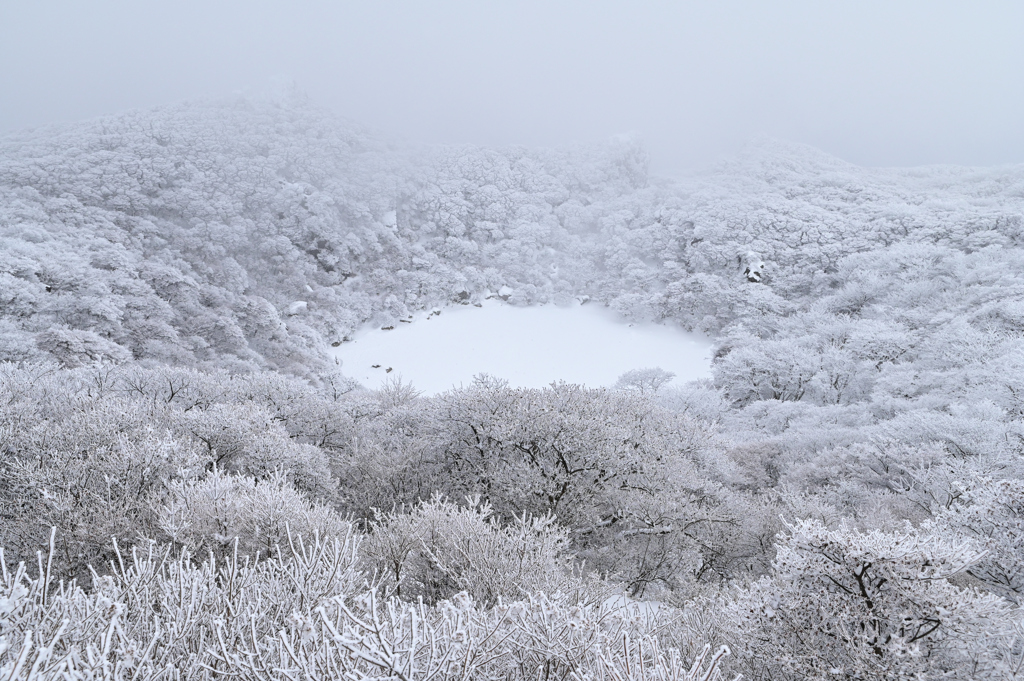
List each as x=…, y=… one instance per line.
x=877, y=83
x=269, y=202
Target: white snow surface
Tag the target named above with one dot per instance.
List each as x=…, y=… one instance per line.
x=530, y=347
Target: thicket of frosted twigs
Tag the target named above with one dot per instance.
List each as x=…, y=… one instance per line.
x=189, y=488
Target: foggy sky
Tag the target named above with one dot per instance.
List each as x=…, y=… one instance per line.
x=875, y=83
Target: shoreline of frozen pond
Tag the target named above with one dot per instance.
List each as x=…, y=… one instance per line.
x=529, y=347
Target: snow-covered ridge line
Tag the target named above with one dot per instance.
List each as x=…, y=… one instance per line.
x=218, y=219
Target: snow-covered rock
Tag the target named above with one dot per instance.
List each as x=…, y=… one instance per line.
x=753, y=266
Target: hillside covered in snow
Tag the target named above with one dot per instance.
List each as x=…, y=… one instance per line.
x=842, y=499
x=251, y=233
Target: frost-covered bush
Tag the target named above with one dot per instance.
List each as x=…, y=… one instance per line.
x=636, y=483
x=632, y=479
x=90, y=496
x=305, y=612
x=644, y=380
x=439, y=548
x=990, y=514
x=881, y=485
x=156, y=615
x=92, y=450
x=222, y=513
x=244, y=438
x=567, y=450
x=867, y=605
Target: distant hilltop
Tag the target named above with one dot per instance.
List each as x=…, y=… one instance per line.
x=252, y=234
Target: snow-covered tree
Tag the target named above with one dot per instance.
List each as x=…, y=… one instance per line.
x=867, y=605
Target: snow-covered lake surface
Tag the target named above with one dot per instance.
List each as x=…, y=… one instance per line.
x=528, y=346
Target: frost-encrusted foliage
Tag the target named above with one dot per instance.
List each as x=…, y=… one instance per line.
x=842, y=500
x=644, y=379
x=242, y=235
x=990, y=514
x=849, y=604
x=440, y=548
x=660, y=506
x=222, y=513
x=308, y=613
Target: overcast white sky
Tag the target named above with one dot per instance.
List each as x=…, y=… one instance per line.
x=876, y=83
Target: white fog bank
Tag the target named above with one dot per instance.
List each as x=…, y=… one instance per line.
x=528, y=346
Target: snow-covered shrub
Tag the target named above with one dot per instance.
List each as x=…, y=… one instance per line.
x=157, y=616
x=866, y=605
x=90, y=496
x=538, y=637
x=566, y=450
x=305, y=613
x=311, y=415
x=440, y=548
x=990, y=514
x=552, y=638
x=390, y=460
x=885, y=483
x=635, y=482
x=244, y=438
x=214, y=513
x=644, y=380
x=631, y=478
x=394, y=393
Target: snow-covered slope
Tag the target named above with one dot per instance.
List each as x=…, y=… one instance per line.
x=867, y=373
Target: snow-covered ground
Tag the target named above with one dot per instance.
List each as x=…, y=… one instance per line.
x=528, y=346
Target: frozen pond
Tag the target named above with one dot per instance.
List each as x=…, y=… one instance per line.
x=528, y=346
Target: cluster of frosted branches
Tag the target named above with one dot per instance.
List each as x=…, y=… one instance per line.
x=307, y=613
